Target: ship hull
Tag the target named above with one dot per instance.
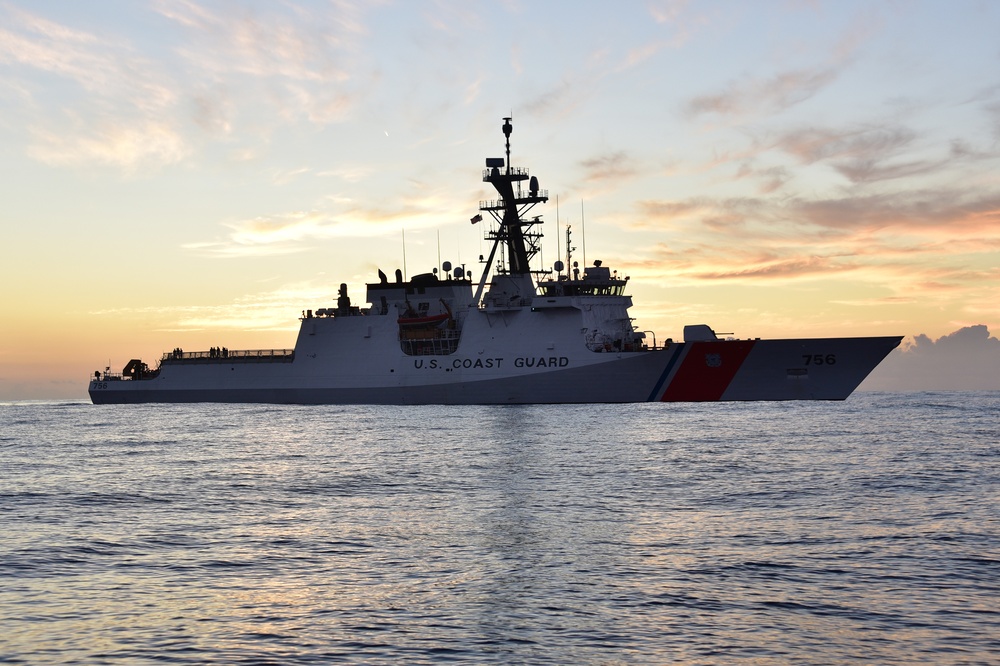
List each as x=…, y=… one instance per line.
x=730, y=370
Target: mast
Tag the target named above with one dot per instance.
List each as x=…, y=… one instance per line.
x=509, y=210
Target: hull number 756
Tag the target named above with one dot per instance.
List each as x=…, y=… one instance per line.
x=819, y=359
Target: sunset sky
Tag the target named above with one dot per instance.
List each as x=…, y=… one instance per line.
x=186, y=173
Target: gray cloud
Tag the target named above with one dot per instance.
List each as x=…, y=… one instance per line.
x=753, y=96
x=812, y=144
x=610, y=166
x=967, y=359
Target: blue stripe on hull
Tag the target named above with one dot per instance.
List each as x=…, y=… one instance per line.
x=658, y=389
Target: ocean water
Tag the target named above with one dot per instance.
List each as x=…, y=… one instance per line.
x=866, y=531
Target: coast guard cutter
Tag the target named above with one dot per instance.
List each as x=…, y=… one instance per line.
x=506, y=338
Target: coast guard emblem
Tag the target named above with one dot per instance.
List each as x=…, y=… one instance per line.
x=713, y=360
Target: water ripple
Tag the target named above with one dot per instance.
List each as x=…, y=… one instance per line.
x=856, y=532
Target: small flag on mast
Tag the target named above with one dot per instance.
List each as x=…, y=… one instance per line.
x=477, y=218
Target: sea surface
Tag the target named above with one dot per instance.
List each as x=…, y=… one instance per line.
x=857, y=532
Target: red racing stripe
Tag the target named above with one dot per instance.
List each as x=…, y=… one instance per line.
x=707, y=370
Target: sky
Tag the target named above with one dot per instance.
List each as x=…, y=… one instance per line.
x=194, y=173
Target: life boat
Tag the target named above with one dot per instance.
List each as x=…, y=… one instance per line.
x=429, y=321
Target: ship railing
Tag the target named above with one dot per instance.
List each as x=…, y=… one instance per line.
x=521, y=173
x=430, y=347
x=222, y=354
x=499, y=204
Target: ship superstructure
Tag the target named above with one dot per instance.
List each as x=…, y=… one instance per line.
x=514, y=336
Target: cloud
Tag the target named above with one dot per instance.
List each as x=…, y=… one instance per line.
x=297, y=63
x=271, y=310
x=559, y=100
x=656, y=212
x=933, y=243
x=813, y=144
x=271, y=235
x=286, y=176
x=94, y=62
x=860, y=153
x=213, y=112
x=274, y=45
x=609, y=167
x=640, y=54
x=929, y=212
x=941, y=215
x=117, y=107
x=297, y=231
x=239, y=69
x=780, y=269
x=867, y=171
x=674, y=14
x=771, y=179
x=993, y=110
x=123, y=146
x=666, y=11
x=755, y=96
x=967, y=359
x=353, y=174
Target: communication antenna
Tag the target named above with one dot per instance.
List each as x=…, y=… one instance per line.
x=403, y=231
x=583, y=231
x=569, y=249
x=541, y=256
x=558, y=249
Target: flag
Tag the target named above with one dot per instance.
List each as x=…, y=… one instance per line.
x=477, y=218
